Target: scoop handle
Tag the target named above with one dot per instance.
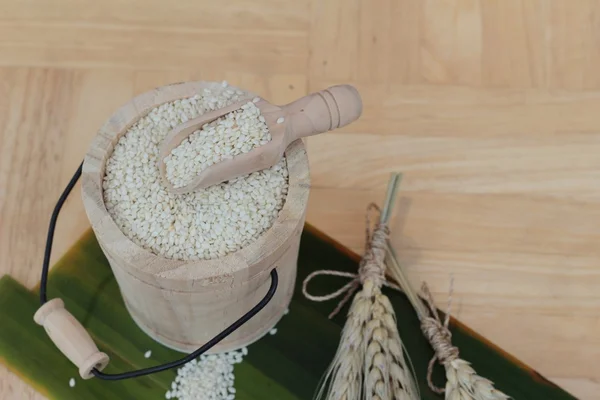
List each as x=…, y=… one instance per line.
x=70, y=337
x=323, y=111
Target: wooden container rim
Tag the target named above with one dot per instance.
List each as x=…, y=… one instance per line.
x=144, y=263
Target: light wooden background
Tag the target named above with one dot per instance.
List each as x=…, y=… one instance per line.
x=491, y=108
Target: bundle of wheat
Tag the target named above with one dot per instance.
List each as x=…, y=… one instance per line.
x=370, y=362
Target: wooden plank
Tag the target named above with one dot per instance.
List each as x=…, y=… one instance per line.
x=552, y=166
x=33, y=138
x=268, y=15
x=47, y=45
x=442, y=111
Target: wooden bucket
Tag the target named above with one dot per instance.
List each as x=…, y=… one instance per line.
x=183, y=304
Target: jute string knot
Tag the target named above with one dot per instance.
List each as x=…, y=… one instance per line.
x=439, y=336
x=372, y=264
x=371, y=267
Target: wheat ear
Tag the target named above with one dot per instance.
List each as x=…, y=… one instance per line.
x=462, y=382
x=388, y=375
x=345, y=374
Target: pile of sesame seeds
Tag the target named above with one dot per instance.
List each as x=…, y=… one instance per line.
x=206, y=224
x=208, y=378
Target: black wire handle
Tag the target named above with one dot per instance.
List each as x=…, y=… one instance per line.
x=162, y=367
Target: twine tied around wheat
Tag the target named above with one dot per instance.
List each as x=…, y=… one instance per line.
x=437, y=332
x=439, y=336
x=371, y=266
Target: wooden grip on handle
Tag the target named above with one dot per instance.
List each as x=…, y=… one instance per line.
x=323, y=111
x=70, y=337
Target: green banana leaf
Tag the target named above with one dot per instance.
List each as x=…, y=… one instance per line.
x=284, y=366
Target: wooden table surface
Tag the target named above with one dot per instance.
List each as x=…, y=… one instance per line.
x=489, y=107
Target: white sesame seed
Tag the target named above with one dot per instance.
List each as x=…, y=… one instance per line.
x=280, y=120
x=286, y=312
x=256, y=99
x=273, y=331
x=148, y=354
x=72, y=382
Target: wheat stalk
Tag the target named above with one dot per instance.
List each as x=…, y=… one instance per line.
x=387, y=376
x=462, y=382
x=403, y=384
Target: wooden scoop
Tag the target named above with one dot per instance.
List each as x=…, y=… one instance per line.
x=316, y=113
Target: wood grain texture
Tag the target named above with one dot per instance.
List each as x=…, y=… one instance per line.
x=489, y=107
